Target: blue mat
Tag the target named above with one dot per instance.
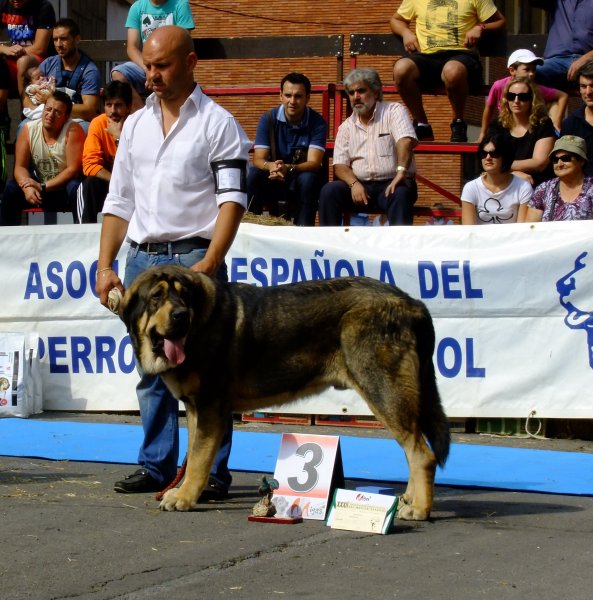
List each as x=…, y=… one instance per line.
x=367, y=459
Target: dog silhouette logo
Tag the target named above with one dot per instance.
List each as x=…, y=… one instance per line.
x=574, y=290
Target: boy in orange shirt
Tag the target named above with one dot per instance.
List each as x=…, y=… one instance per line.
x=99, y=151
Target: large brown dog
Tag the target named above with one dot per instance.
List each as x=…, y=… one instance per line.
x=223, y=347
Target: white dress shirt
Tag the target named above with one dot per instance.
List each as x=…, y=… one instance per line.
x=164, y=186
x=370, y=150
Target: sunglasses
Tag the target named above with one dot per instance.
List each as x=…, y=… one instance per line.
x=491, y=153
x=521, y=96
x=565, y=158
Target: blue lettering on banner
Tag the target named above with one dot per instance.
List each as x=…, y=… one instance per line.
x=450, y=359
x=58, y=281
x=385, y=273
x=454, y=286
x=80, y=354
x=278, y=271
x=450, y=279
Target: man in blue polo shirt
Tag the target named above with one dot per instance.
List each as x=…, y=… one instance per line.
x=75, y=73
x=289, y=148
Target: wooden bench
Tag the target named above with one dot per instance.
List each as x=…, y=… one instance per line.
x=252, y=47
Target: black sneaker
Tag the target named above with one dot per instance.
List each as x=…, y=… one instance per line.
x=139, y=482
x=423, y=132
x=213, y=491
x=459, y=131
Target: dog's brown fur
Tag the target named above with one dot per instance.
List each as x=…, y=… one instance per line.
x=239, y=347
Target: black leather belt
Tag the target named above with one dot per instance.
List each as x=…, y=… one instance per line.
x=179, y=247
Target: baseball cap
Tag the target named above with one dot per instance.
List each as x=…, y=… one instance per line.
x=524, y=56
x=571, y=143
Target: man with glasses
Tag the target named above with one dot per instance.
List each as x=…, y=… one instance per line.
x=48, y=160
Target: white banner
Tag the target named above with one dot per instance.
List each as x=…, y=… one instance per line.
x=511, y=304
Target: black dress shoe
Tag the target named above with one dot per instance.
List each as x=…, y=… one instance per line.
x=137, y=483
x=213, y=491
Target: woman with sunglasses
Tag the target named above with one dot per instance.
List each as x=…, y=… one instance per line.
x=497, y=196
x=569, y=196
x=524, y=118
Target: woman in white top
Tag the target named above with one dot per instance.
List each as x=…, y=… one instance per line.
x=497, y=196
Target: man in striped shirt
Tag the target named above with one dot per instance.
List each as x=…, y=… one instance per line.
x=374, y=166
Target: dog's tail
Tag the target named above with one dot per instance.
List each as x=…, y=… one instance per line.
x=433, y=420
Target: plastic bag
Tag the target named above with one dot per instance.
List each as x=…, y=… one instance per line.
x=21, y=391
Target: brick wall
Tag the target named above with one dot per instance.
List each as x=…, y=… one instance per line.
x=226, y=18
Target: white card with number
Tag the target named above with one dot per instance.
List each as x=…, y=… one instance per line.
x=305, y=470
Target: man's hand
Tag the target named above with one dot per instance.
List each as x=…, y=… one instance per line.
x=410, y=41
x=107, y=279
x=13, y=50
x=114, y=128
x=278, y=170
x=359, y=194
x=400, y=178
x=472, y=37
x=42, y=95
x=571, y=74
x=32, y=191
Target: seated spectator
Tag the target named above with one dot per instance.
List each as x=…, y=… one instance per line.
x=522, y=63
x=523, y=116
x=47, y=161
x=74, y=72
x=442, y=51
x=580, y=123
x=28, y=26
x=497, y=196
x=374, y=166
x=289, y=148
x=99, y=151
x=569, y=44
x=569, y=196
x=144, y=17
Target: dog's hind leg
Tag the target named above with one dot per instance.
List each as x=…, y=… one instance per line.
x=387, y=377
x=205, y=431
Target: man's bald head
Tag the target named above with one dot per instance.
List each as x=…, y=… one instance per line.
x=176, y=38
x=169, y=60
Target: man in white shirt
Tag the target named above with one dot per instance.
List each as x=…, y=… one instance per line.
x=164, y=199
x=374, y=165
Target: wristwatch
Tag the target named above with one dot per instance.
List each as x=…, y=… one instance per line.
x=401, y=168
x=43, y=186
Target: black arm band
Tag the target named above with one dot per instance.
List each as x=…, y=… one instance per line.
x=230, y=175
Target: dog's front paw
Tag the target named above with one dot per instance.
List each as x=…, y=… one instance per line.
x=175, y=500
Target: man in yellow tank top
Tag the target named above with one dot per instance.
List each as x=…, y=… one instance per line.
x=47, y=165
x=442, y=51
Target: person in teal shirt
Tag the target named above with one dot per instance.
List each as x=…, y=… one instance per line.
x=144, y=17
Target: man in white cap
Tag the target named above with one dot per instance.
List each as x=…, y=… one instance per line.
x=523, y=63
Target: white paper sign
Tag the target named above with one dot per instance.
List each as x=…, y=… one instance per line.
x=362, y=511
x=305, y=470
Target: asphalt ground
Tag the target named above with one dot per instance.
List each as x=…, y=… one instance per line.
x=65, y=534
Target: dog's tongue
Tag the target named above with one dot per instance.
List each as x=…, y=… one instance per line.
x=174, y=351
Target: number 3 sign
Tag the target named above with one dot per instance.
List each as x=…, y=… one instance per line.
x=308, y=468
